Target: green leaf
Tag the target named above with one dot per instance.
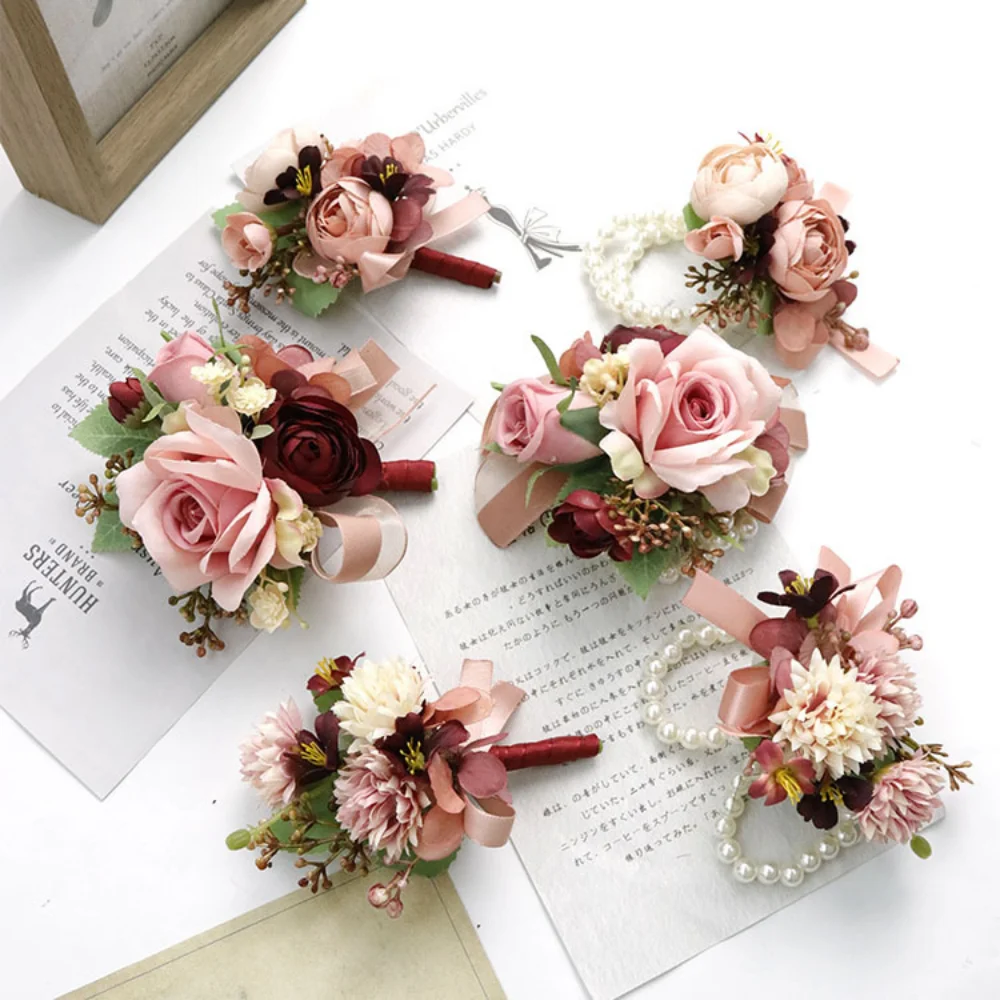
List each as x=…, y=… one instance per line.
x=154, y=412
x=310, y=298
x=261, y=431
x=99, y=432
x=550, y=360
x=220, y=215
x=594, y=474
x=644, y=569
x=586, y=422
x=498, y=386
x=325, y=701
x=495, y=448
x=318, y=794
x=429, y=869
x=765, y=302
x=567, y=401
x=149, y=390
x=533, y=478
x=751, y=742
x=691, y=218
x=920, y=847
x=108, y=535
x=280, y=215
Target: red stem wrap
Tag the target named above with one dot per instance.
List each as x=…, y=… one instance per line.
x=407, y=477
x=446, y=265
x=559, y=750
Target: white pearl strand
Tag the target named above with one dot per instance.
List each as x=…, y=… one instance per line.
x=728, y=850
x=612, y=279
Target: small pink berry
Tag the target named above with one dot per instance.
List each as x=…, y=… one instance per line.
x=378, y=895
x=908, y=608
x=915, y=642
x=394, y=908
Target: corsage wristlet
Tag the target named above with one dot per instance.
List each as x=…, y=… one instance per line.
x=229, y=462
x=386, y=776
x=314, y=216
x=658, y=449
x=828, y=718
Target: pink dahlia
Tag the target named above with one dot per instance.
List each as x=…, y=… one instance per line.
x=895, y=691
x=903, y=801
x=380, y=803
x=265, y=757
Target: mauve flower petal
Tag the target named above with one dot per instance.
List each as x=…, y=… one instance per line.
x=769, y=755
x=440, y=835
x=440, y=775
x=772, y=632
x=481, y=775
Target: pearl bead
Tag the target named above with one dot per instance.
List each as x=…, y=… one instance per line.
x=828, y=848
x=606, y=233
x=667, y=732
x=734, y=805
x=809, y=861
x=652, y=713
x=725, y=639
x=741, y=783
x=792, y=875
x=691, y=738
x=620, y=220
x=728, y=851
x=671, y=575
x=744, y=871
x=706, y=635
x=725, y=826
x=652, y=689
x=722, y=542
x=767, y=874
x=748, y=528
x=616, y=300
x=604, y=291
x=591, y=260
x=716, y=738
x=633, y=251
x=847, y=834
x=686, y=637
x=655, y=315
x=673, y=653
x=656, y=667
x=675, y=315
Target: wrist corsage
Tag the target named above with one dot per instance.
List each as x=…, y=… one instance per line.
x=658, y=449
x=387, y=776
x=226, y=463
x=828, y=718
x=314, y=216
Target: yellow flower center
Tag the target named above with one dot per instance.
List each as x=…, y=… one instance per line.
x=312, y=753
x=800, y=585
x=831, y=793
x=389, y=171
x=325, y=669
x=303, y=180
x=785, y=777
x=413, y=756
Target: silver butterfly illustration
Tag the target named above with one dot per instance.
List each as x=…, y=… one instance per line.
x=102, y=11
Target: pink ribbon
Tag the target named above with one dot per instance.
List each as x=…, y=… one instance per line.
x=372, y=540
x=380, y=269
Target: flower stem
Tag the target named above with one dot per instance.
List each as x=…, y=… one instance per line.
x=542, y=753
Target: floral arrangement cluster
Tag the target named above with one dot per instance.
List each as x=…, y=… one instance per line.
x=313, y=217
x=776, y=252
x=829, y=720
x=226, y=462
x=664, y=444
x=386, y=776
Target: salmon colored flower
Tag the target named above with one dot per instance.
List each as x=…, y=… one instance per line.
x=780, y=779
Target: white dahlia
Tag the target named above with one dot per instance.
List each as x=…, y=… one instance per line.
x=375, y=695
x=830, y=716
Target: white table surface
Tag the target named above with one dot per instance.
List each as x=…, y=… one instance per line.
x=893, y=100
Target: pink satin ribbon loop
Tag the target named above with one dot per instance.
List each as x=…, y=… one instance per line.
x=506, y=697
x=488, y=821
x=746, y=701
x=365, y=370
x=722, y=606
x=500, y=491
x=373, y=540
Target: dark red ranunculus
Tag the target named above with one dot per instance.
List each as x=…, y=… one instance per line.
x=581, y=521
x=317, y=450
x=124, y=398
x=620, y=335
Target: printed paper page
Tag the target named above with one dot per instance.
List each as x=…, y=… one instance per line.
x=90, y=663
x=620, y=848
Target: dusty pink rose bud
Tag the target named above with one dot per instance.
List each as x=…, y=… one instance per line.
x=247, y=240
x=908, y=608
x=717, y=239
x=348, y=219
x=809, y=252
x=171, y=373
x=124, y=398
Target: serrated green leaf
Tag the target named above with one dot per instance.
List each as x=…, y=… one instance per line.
x=920, y=847
x=691, y=218
x=644, y=569
x=281, y=215
x=550, y=360
x=595, y=475
x=311, y=298
x=108, y=534
x=751, y=742
x=100, y=433
x=220, y=215
x=586, y=422
x=429, y=869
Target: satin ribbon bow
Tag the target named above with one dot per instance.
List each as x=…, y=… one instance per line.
x=379, y=269
x=752, y=692
x=484, y=709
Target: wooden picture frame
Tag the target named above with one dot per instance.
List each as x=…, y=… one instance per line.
x=45, y=133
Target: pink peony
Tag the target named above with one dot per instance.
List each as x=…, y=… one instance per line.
x=800, y=188
x=264, y=757
x=379, y=803
x=895, y=691
x=408, y=149
x=741, y=183
x=281, y=155
x=903, y=801
x=810, y=249
x=171, y=372
x=202, y=507
x=689, y=419
x=526, y=423
x=247, y=241
x=717, y=239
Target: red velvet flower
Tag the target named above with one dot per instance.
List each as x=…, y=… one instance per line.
x=581, y=521
x=124, y=398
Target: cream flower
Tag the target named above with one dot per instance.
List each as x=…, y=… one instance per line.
x=830, y=716
x=214, y=373
x=269, y=610
x=604, y=377
x=250, y=397
x=375, y=695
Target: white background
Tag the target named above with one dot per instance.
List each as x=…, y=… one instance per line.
x=896, y=102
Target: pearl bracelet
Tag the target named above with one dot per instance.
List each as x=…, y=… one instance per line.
x=653, y=690
x=612, y=279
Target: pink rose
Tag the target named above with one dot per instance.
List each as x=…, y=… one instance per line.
x=800, y=188
x=247, y=241
x=717, y=239
x=741, y=183
x=281, y=154
x=346, y=220
x=526, y=423
x=810, y=249
x=408, y=149
x=171, y=373
x=200, y=503
x=686, y=420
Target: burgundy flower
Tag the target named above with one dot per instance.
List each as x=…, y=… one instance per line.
x=124, y=398
x=331, y=673
x=620, y=335
x=298, y=182
x=807, y=598
x=581, y=521
x=413, y=744
x=315, y=753
x=409, y=193
x=820, y=808
x=316, y=448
